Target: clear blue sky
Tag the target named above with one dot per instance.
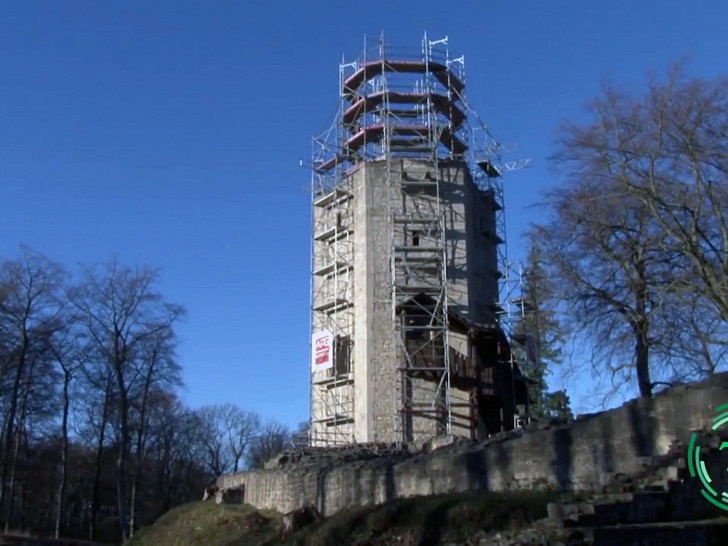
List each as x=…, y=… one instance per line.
x=169, y=134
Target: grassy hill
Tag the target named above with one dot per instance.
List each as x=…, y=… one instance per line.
x=458, y=518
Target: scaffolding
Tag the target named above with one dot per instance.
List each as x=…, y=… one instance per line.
x=332, y=255
x=406, y=110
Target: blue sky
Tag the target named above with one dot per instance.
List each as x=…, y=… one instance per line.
x=169, y=134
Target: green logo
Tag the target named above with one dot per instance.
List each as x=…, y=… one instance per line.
x=707, y=457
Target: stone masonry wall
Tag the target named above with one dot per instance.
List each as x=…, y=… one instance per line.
x=583, y=455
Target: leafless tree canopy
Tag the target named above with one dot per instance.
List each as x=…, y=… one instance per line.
x=90, y=420
x=271, y=439
x=227, y=434
x=637, y=232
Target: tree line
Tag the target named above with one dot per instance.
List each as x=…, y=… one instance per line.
x=632, y=247
x=94, y=440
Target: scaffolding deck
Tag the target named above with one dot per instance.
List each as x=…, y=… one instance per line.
x=367, y=103
x=374, y=133
x=373, y=68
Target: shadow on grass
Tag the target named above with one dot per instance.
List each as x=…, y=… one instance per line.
x=435, y=523
x=428, y=520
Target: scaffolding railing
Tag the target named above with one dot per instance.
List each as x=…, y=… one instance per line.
x=332, y=285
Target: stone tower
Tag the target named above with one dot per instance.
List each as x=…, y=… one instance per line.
x=406, y=342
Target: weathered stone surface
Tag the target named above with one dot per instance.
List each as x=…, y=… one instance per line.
x=593, y=453
x=314, y=456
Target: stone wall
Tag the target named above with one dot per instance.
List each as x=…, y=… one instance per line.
x=584, y=455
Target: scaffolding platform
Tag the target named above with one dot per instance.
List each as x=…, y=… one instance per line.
x=330, y=268
x=329, y=197
x=372, y=101
x=374, y=133
x=374, y=68
x=333, y=234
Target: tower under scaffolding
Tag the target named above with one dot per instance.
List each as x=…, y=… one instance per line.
x=409, y=328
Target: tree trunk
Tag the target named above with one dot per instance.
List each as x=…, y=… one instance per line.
x=12, y=410
x=122, y=496
x=641, y=328
x=13, y=467
x=642, y=362
x=25, y=486
x=140, y=442
x=11, y=483
x=132, y=502
x=64, y=456
x=97, y=467
x=16, y=451
x=121, y=491
x=23, y=504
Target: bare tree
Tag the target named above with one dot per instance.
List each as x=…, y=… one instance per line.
x=88, y=411
x=67, y=351
x=97, y=406
x=177, y=453
x=271, y=440
x=31, y=287
x=159, y=371
x=121, y=312
x=226, y=432
x=217, y=458
x=637, y=237
x=88, y=414
x=605, y=253
x=676, y=162
x=240, y=428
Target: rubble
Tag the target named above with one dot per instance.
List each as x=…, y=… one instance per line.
x=336, y=455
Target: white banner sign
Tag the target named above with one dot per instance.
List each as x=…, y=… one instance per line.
x=322, y=351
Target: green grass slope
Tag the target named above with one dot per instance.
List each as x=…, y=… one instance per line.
x=210, y=524
x=441, y=519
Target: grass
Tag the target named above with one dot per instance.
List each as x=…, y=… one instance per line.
x=419, y=521
x=424, y=521
x=210, y=524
